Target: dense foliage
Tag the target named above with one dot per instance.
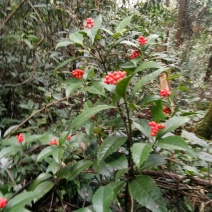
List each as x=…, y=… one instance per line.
x=86, y=122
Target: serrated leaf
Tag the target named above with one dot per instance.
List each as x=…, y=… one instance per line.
x=146, y=192
x=172, y=143
x=102, y=199
x=117, y=160
x=110, y=145
x=76, y=37
x=45, y=153
x=121, y=87
x=144, y=80
x=140, y=152
x=71, y=85
x=63, y=44
x=142, y=125
x=8, y=151
x=96, y=88
x=148, y=65
x=154, y=160
x=39, y=179
x=172, y=124
x=157, y=111
x=123, y=24
x=71, y=171
x=86, y=114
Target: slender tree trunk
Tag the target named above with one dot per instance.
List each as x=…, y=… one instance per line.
x=209, y=70
x=204, y=128
x=181, y=15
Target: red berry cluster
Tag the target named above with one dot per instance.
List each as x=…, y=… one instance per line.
x=3, y=202
x=165, y=92
x=68, y=137
x=135, y=53
x=142, y=40
x=53, y=142
x=20, y=138
x=89, y=23
x=166, y=110
x=114, y=77
x=155, y=127
x=92, y=117
x=78, y=73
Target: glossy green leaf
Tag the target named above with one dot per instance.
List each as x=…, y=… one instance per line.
x=153, y=161
x=64, y=63
x=9, y=151
x=45, y=153
x=142, y=125
x=123, y=24
x=96, y=88
x=140, y=152
x=148, y=65
x=172, y=143
x=71, y=171
x=9, y=130
x=145, y=79
x=121, y=87
x=86, y=114
x=102, y=199
x=172, y=124
x=63, y=137
x=57, y=154
x=76, y=37
x=110, y=145
x=148, y=99
x=129, y=43
x=157, y=111
x=117, y=160
x=145, y=191
x=71, y=85
x=63, y=44
x=120, y=173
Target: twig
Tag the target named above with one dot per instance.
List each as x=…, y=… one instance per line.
x=33, y=114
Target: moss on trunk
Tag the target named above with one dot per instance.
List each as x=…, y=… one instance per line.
x=204, y=128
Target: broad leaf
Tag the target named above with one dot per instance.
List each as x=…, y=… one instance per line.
x=110, y=145
x=71, y=85
x=157, y=111
x=102, y=199
x=123, y=24
x=117, y=160
x=148, y=65
x=71, y=171
x=144, y=80
x=96, y=88
x=121, y=87
x=129, y=43
x=63, y=137
x=148, y=99
x=154, y=160
x=45, y=153
x=64, y=63
x=86, y=114
x=83, y=210
x=140, y=152
x=146, y=192
x=142, y=125
x=172, y=124
x=8, y=151
x=172, y=143
x=63, y=44
x=76, y=37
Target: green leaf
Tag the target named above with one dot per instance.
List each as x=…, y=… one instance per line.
x=148, y=99
x=28, y=43
x=120, y=173
x=140, y=152
x=86, y=114
x=8, y=151
x=32, y=138
x=108, y=31
x=45, y=153
x=76, y=37
x=129, y=43
x=64, y=63
x=63, y=44
x=57, y=155
x=83, y=210
x=71, y=85
x=22, y=199
x=110, y=145
x=148, y=65
x=205, y=156
x=154, y=160
x=172, y=143
x=144, y=80
x=117, y=160
x=96, y=88
x=102, y=199
x=123, y=24
x=38, y=180
x=146, y=192
x=172, y=124
x=142, y=125
x=157, y=111
x=121, y=87
x=63, y=137
x=9, y=130
x=71, y=171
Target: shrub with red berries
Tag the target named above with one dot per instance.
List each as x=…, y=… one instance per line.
x=166, y=110
x=135, y=53
x=165, y=93
x=155, y=127
x=78, y=73
x=20, y=138
x=89, y=23
x=142, y=40
x=53, y=142
x=3, y=202
x=114, y=77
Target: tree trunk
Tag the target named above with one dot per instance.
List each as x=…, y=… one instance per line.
x=204, y=128
x=181, y=15
x=209, y=70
